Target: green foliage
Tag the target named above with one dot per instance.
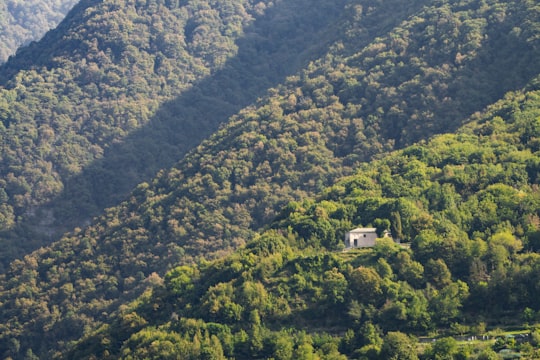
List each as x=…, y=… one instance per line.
x=437, y=273
x=181, y=280
x=311, y=129
x=466, y=202
x=488, y=354
x=445, y=348
x=150, y=80
x=397, y=345
x=367, y=285
x=22, y=22
x=155, y=344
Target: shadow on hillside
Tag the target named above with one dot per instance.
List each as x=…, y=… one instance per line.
x=278, y=44
x=505, y=62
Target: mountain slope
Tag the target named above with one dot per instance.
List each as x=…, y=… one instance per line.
x=22, y=22
x=62, y=164
x=380, y=83
x=468, y=201
x=121, y=90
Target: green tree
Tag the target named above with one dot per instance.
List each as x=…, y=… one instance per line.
x=381, y=225
x=398, y=346
x=437, y=273
x=181, y=279
x=409, y=270
x=488, y=354
x=283, y=346
x=335, y=286
x=445, y=304
x=443, y=349
x=367, y=285
x=397, y=230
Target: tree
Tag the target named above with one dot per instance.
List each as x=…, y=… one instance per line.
x=437, y=273
x=181, y=279
x=488, y=354
x=382, y=225
x=370, y=335
x=502, y=247
x=211, y=349
x=528, y=315
x=367, y=285
x=397, y=231
x=305, y=350
x=218, y=304
x=443, y=349
x=446, y=303
x=283, y=346
x=334, y=286
x=398, y=346
x=384, y=268
x=409, y=270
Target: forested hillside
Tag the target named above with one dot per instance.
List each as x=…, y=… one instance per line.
x=468, y=203
x=25, y=21
x=122, y=89
x=375, y=83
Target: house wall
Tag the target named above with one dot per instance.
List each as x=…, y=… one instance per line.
x=360, y=239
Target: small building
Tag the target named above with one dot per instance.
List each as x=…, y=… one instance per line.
x=361, y=237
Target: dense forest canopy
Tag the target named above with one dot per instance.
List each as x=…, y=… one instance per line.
x=122, y=89
x=152, y=79
x=468, y=204
x=25, y=21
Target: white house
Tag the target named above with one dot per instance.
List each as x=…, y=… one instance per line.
x=361, y=237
